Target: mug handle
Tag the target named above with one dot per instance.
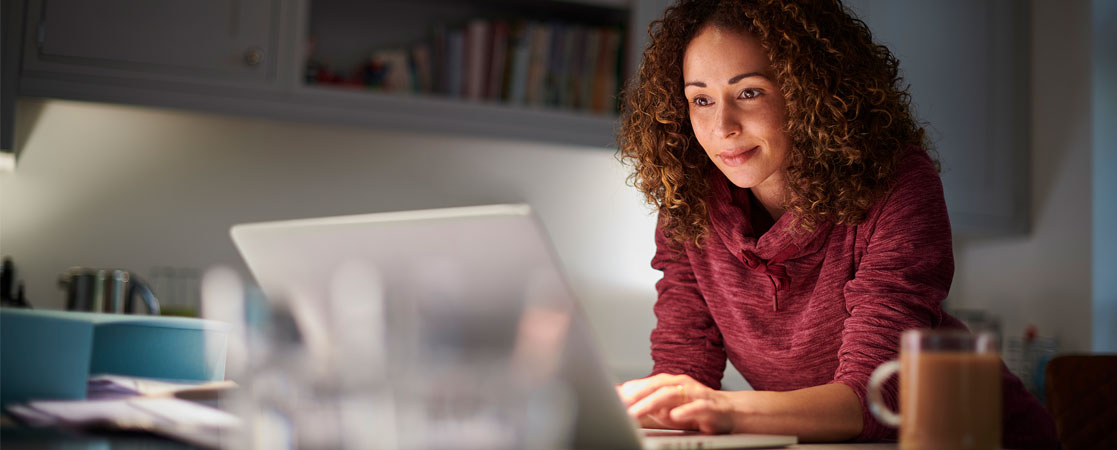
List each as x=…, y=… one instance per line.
x=876, y=400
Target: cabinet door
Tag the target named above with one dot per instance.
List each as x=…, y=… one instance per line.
x=967, y=62
x=11, y=24
x=215, y=39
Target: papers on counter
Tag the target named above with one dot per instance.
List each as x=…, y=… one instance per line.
x=136, y=404
x=114, y=386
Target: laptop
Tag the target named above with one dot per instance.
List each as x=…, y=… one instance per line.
x=490, y=258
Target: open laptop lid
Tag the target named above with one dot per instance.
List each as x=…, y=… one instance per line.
x=480, y=265
x=473, y=251
x=491, y=260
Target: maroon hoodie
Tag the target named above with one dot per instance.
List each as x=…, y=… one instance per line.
x=793, y=309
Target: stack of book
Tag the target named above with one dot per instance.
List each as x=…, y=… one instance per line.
x=560, y=65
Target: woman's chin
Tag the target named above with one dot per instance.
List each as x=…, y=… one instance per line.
x=743, y=179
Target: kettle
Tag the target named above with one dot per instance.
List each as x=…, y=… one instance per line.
x=105, y=290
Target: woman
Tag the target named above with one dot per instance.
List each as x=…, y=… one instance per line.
x=802, y=225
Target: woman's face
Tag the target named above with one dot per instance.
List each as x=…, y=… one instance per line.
x=736, y=109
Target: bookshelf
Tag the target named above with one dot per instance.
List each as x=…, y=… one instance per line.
x=536, y=54
x=522, y=69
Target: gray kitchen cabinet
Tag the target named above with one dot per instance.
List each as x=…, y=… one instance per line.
x=221, y=56
x=967, y=63
x=11, y=27
x=232, y=42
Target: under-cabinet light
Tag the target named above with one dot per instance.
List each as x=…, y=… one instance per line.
x=7, y=162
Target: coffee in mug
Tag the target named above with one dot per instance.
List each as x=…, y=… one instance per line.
x=950, y=391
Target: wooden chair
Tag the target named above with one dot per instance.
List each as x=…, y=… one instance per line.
x=1082, y=397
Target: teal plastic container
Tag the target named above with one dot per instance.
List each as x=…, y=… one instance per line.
x=51, y=354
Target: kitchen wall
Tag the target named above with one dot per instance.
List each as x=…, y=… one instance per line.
x=1105, y=166
x=1044, y=277
x=122, y=186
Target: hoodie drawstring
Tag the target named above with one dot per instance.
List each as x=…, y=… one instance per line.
x=776, y=274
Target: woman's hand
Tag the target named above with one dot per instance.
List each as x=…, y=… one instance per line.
x=825, y=413
x=677, y=402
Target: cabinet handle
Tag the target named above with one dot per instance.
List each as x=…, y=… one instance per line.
x=253, y=56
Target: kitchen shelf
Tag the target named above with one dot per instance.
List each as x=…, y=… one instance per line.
x=58, y=64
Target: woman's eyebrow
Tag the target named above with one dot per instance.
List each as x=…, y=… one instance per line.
x=733, y=80
x=742, y=76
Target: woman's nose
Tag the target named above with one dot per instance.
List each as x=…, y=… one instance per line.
x=728, y=120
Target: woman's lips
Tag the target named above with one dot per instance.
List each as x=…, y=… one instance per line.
x=737, y=156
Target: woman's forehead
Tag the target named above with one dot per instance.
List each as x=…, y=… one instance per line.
x=723, y=53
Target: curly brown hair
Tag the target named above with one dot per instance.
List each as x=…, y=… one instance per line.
x=849, y=113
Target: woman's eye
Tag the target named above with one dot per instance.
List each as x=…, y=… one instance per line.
x=750, y=93
x=701, y=101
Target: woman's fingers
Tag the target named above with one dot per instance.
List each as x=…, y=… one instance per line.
x=663, y=398
x=639, y=388
x=674, y=401
x=656, y=421
x=708, y=415
x=636, y=390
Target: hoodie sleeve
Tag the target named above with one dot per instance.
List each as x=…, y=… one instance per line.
x=685, y=341
x=904, y=266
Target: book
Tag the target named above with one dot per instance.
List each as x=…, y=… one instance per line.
x=605, y=79
x=576, y=60
x=498, y=60
x=556, y=70
x=455, y=47
x=572, y=66
x=439, y=58
x=590, y=61
x=612, y=69
x=476, y=59
x=520, y=44
x=537, y=66
x=421, y=70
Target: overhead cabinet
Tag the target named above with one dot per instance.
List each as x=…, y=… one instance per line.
x=968, y=66
x=211, y=40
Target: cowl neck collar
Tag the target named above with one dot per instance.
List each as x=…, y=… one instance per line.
x=766, y=254
x=785, y=240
